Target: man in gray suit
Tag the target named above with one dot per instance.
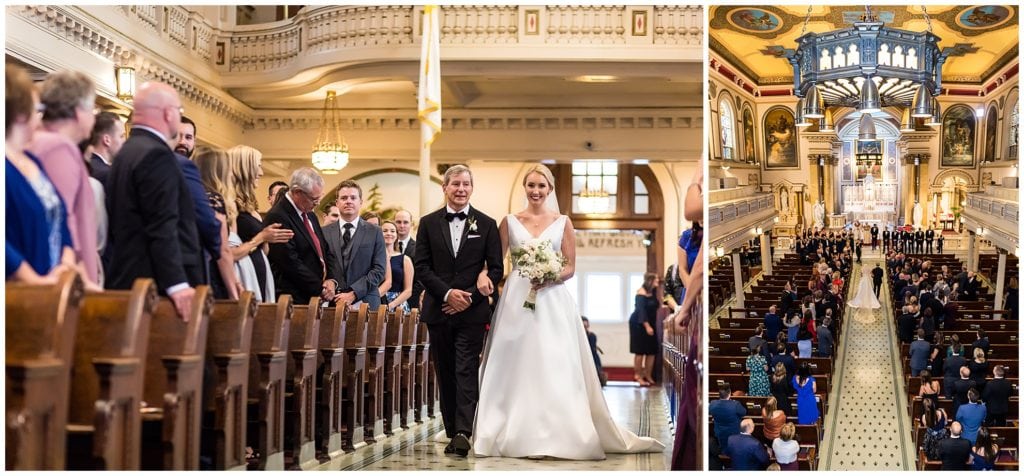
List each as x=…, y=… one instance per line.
x=359, y=248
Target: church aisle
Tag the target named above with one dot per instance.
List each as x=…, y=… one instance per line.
x=641, y=410
x=867, y=427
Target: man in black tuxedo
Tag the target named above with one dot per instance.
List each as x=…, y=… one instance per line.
x=929, y=237
x=407, y=245
x=919, y=240
x=938, y=243
x=885, y=240
x=304, y=265
x=874, y=237
x=453, y=245
x=876, y=278
x=106, y=140
x=997, y=397
x=358, y=246
x=152, y=221
x=858, y=250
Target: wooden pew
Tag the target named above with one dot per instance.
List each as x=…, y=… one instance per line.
x=300, y=386
x=330, y=373
x=422, y=404
x=407, y=390
x=393, y=371
x=226, y=386
x=373, y=403
x=40, y=335
x=355, y=374
x=104, y=422
x=173, y=391
x=267, y=371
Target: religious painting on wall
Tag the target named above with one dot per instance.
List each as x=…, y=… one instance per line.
x=869, y=153
x=748, y=136
x=990, y=134
x=847, y=161
x=958, y=127
x=780, y=140
x=891, y=161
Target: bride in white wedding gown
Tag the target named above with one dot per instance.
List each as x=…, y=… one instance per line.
x=539, y=391
x=865, y=297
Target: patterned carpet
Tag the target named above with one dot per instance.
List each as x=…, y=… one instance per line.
x=867, y=427
x=641, y=410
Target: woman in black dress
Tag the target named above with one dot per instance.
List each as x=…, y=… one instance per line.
x=643, y=341
x=781, y=389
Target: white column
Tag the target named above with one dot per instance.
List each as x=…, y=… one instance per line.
x=766, y=254
x=971, y=260
x=1000, y=278
x=737, y=275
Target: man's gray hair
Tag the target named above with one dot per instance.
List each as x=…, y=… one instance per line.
x=304, y=179
x=455, y=170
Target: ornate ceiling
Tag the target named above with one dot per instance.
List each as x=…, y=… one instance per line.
x=983, y=38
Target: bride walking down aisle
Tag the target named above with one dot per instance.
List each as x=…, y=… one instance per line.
x=539, y=390
x=864, y=300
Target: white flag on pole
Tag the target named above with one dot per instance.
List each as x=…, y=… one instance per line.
x=429, y=112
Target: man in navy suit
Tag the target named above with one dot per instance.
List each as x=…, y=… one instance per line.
x=358, y=246
x=206, y=222
x=727, y=414
x=747, y=453
x=106, y=140
x=303, y=265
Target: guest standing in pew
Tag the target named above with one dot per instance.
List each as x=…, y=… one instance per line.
x=305, y=265
x=979, y=369
x=757, y=369
x=933, y=419
x=961, y=388
x=772, y=322
x=207, y=224
x=997, y=397
x=781, y=390
x=358, y=246
x=68, y=99
x=401, y=270
x=951, y=368
x=920, y=350
x=747, y=453
x=276, y=192
x=806, y=399
x=1011, y=299
x=152, y=220
x=727, y=414
x=984, y=452
x=38, y=247
x=971, y=415
x=955, y=451
x=407, y=244
x=787, y=448
x=225, y=279
x=643, y=343
x=929, y=388
x=825, y=340
x=772, y=418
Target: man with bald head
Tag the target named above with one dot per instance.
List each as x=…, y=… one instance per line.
x=406, y=245
x=152, y=220
x=746, y=451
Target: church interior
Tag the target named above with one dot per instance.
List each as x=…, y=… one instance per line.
x=606, y=96
x=864, y=132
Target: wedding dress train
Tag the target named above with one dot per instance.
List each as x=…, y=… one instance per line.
x=865, y=297
x=539, y=390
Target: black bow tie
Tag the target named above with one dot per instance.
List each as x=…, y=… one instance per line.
x=451, y=216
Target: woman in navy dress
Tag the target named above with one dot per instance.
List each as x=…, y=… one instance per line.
x=400, y=290
x=643, y=340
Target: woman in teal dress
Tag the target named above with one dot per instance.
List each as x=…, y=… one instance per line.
x=758, y=368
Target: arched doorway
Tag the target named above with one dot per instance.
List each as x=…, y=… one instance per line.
x=949, y=195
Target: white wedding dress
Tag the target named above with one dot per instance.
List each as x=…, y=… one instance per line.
x=539, y=391
x=865, y=297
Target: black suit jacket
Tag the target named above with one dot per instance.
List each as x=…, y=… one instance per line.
x=417, y=287
x=954, y=453
x=438, y=269
x=997, y=396
x=100, y=170
x=152, y=220
x=296, y=266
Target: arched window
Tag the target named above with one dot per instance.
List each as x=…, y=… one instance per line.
x=1014, y=138
x=728, y=137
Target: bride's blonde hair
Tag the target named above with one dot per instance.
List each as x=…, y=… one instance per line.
x=543, y=170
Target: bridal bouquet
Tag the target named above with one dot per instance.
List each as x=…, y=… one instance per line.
x=539, y=263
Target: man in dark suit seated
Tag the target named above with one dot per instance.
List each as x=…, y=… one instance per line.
x=955, y=450
x=151, y=218
x=358, y=246
x=302, y=266
x=747, y=453
x=997, y=397
x=726, y=414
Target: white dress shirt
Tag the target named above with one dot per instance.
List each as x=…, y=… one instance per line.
x=456, y=226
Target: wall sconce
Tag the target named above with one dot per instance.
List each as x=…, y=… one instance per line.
x=758, y=230
x=125, y=78
x=775, y=219
x=980, y=231
x=1016, y=251
x=719, y=251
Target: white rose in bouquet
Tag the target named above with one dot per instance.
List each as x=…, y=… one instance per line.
x=537, y=261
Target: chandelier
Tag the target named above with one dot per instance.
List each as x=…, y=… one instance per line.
x=868, y=67
x=330, y=153
x=594, y=201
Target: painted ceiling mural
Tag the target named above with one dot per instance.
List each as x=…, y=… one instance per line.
x=982, y=39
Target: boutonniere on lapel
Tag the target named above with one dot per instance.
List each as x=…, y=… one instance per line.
x=472, y=224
